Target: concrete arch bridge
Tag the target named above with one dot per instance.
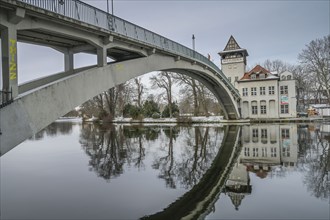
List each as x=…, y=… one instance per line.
x=71, y=26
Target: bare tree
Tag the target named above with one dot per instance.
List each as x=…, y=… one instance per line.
x=163, y=80
x=277, y=66
x=304, y=86
x=124, y=92
x=139, y=91
x=315, y=59
x=189, y=89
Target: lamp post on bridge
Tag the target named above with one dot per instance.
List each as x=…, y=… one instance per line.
x=112, y=19
x=111, y=7
x=193, y=41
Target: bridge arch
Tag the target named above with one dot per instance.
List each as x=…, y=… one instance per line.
x=136, y=51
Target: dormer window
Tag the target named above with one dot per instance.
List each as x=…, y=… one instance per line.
x=253, y=76
x=289, y=77
x=262, y=76
x=283, y=77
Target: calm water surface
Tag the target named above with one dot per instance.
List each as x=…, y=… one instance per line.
x=72, y=170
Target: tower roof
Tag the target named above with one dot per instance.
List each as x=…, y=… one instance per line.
x=232, y=44
x=232, y=47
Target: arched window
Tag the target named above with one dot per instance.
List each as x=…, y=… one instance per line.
x=289, y=77
x=254, y=108
x=263, y=107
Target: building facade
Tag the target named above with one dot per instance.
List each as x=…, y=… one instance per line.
x=263, y=94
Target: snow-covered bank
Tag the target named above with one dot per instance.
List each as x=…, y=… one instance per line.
x=69, y=119
x=200, y=119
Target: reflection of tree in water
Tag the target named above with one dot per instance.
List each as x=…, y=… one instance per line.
x=110, y=147
x=184, y=154
x=198, y=149
x=166, y=163
x=105, y=148
x=315, y=160
x=202, y=146
x=136, y=137
x=52, y=130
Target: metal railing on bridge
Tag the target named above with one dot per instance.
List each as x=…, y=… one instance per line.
x=78, y=10
x=6, y=97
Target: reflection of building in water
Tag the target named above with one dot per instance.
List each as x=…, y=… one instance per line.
x=238, y=184
x=269, y=145
x=264, y=147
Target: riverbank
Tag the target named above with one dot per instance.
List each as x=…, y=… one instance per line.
x=202, y=119
x=290, y=120
x=205, y=120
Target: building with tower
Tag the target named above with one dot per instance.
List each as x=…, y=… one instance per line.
x=233, y=61
x=264, y=95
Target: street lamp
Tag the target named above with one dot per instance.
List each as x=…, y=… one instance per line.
x=193, y=41
x=111, y=7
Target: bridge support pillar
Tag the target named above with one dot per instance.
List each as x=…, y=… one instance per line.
x=101, y=56
x=9, y=60
x=68, y=60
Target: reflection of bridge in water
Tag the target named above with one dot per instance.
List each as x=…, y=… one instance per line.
x=200, y=199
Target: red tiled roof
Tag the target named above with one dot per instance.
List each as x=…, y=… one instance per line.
x=256, y=70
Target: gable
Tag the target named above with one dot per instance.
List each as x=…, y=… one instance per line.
x=232, y=44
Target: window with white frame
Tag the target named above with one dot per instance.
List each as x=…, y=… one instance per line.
x=262, y=90
x=284, y=90
x=273, y=152
x=253, y=76
x=245, y=92
x=286, y=151
x=263, y=110
x=254, y=110
x=246, y=151
x=285, y=133
x=271, y=90
x=255, y=132
x=254, y=91
x=264, y=133
x=255, y=135
x=255, y=152
x=285, y=109
x=264, y=136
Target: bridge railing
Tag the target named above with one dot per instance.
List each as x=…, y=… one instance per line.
x=83, y=12
x=6, y=97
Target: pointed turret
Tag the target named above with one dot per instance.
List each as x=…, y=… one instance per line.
x=233, y=60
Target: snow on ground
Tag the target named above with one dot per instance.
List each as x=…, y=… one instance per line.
x=210, y=119
x=163, y=121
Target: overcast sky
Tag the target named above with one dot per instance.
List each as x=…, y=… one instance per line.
x=267, y=29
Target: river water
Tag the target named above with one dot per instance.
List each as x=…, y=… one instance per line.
x=72, y=170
